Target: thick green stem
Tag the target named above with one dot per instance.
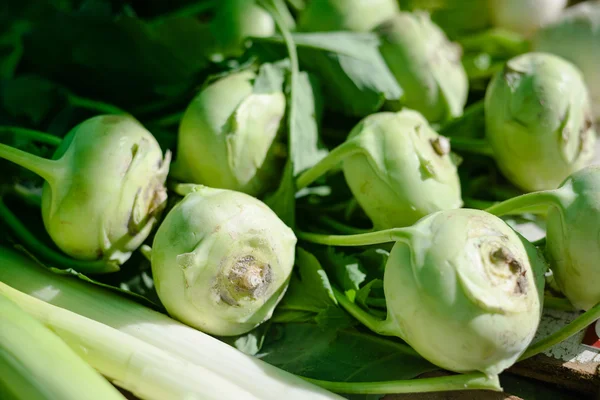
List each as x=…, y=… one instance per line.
x=94, y=105
x=37, y=136
x=557, y=303
x=380, y=326
x=473, y=381
x=360, y=239
x=341, y=227
x=468, y=145
x=327, y=163
x=46, y=253
x=577, y=325
x=527, y=203
x=50, y=170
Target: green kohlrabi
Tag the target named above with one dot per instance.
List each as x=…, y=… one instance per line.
x=524, y=16
x=538, y=121
x=237, y=20
x=228, y=135
x=398, y=168
x=461, y=288
x=104, y=189
x=572, y=233
x=345, y=15
x=426, y=65
x=576, y=37
x=221, y=260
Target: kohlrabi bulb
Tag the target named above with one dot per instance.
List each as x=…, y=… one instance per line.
x=104, y=190
x=524, y=16
x=228, y=136
x=538, y=121
x=461, y=287
x=237, y=20
x=458, y=18
x=572, y=233
x=465, y=291
x=398, y=168
x=345, y=15
x=576, y=37
x=426, y=65
x=573, y=238
x=221, y=260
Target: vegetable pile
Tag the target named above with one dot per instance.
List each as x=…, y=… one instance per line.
x=301, y=199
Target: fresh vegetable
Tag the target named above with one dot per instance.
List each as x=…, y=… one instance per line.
x=104, y=190
x=572, y=233
x=426, y=65
x=461, y=288
x=456, y=17
x=575, y=36
x=134, y=320
x=228, y=136
x=524, y=16
x=538, y=121
x=142, y=369
x=345, y=15
x=36, y=364
x=398, y=168
x=221, y=260
x=237, y=20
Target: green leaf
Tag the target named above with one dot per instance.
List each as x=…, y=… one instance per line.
x=340, y=355
x=354, y=76
x=283, y=201
x=270, y=78
x=306, y=147
x=309, y=289
x=251, y=342
x=346, y=268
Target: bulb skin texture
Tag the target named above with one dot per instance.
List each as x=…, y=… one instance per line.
x=575, y=36
x=538, y=121
x=345, y=15
x=228, y=135
x=108, y=189
x=573, y=238
x=221, y=261
x=402, y=171
x=465, y=291
x=426, y=65
x=525, y=16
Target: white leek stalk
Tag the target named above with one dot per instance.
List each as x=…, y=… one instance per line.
x=255, y=376
x=145, y=370
x=36, y=365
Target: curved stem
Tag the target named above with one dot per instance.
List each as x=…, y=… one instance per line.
x=468, y=145
x=58, y=260
x=558, y=303
x=38, y=136
x=332, y=159
x=93, y=105
x=471, y=381
x=530, y=202
x=146, y=252
x=341, y=227
x=50, y=170
x=577, y=325
x=478, y=204
x=380, y=326
x=360, y=239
